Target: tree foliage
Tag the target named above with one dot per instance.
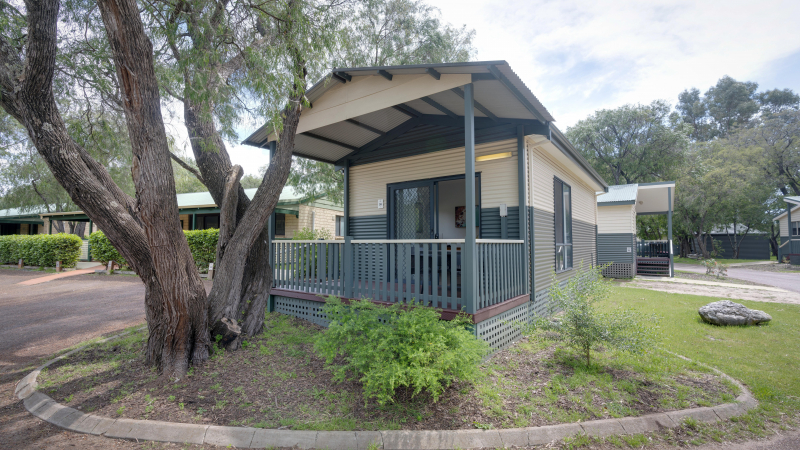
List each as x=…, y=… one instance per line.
x=383, y=33
x=581, y=323
x=632, y=143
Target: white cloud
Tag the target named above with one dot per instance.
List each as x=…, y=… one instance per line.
x=580, y=56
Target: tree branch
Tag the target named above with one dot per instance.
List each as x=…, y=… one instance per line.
x=186, y=166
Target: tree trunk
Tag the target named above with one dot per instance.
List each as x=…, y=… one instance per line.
x=255, y=280
x=185, y=337
x=174, y=296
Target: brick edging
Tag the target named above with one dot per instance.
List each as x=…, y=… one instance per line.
x=45, y=408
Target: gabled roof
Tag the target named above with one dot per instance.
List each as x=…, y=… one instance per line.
x=201, y=199
x=795, y=209
x=360, y=114
x=621, y=194
x=646, y=198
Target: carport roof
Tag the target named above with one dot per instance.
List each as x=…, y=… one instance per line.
x=647, y=198
x=621, y=194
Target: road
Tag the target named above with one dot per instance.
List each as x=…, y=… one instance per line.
x=788, y=281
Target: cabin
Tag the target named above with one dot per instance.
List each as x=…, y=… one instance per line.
x=617, y=245
x=789, y=225
x=20, y=221
x=459, y=192
x=197, y=212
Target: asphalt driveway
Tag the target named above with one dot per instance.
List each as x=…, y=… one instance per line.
x=788, y=281
x=38, y=320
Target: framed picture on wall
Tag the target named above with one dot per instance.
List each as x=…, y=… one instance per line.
x=461, y=217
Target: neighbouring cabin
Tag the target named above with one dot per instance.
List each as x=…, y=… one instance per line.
x=616, y=230
x=789, y=224
x=459, y=193
x=197, y=212
x=19, y=221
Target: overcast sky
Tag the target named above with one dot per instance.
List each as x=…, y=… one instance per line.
x=581, y=56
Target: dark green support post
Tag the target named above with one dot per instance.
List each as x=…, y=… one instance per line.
x=89, y=247
x=469, y=277
x=50, y=223
x=522, y=188
x=346, y=170
x=347, y=269
x=669, y=232
x=789, y=228
x=194, y=221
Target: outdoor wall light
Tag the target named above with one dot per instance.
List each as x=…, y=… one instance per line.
x=494, y=156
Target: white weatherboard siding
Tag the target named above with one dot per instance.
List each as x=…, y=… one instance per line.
x=543, y=168
x=784, y=221
x=616, y=219
x=498, y=177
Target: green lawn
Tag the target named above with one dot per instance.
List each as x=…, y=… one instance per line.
x=765, y=358
x=721, y=260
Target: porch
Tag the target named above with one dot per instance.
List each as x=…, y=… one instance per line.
x=428, y=271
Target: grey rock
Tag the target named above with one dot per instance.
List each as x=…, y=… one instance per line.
x=726, y=312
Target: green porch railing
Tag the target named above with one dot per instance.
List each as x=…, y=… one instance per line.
x=401, y=271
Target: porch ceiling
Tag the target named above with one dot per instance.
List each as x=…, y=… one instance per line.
x=370, y=108
x=653, y=198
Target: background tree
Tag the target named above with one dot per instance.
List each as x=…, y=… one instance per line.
x=383, y=33
x=632, y=143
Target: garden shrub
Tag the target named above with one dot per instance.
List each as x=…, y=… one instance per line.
x=41, y=249
x=715, y=268
x=307, y=234
x=202, y=243
x=386, y=348
x=584, y=327
x=103, y=251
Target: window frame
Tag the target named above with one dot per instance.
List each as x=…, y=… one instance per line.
x=563, y=219
x=283, y=223
x=794, y=228
x=338, y=227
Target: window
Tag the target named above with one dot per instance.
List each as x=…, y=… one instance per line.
x=562, y=195
x=339, y=225
x=280, y=224
x=795, y=228
x=211, y=221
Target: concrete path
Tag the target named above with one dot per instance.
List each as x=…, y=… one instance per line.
x=709, y=283
x=788, y=281
x=57, y=276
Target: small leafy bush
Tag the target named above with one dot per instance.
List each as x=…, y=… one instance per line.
x=386, y=348
x=312, y=235
x=202, y=243
x=582, y=326
x=103, y=251
x=715, y=268
x=41, y=249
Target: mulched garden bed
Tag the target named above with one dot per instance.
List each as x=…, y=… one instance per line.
x=277, y=381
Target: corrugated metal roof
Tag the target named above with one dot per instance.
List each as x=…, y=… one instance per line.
x=22, y=212
x=619, y=193
x=792, y=199
x=195, y=199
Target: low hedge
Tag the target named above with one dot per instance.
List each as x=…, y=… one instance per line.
x=202, y=243
x=41, y=249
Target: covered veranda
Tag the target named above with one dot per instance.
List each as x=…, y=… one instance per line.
x=656, y=258
x=372, y=115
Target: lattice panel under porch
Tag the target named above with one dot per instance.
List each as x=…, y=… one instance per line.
x=618, y=270
x=303, y=309
x=502, y=330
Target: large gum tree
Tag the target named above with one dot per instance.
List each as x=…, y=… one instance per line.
x=145, y=228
